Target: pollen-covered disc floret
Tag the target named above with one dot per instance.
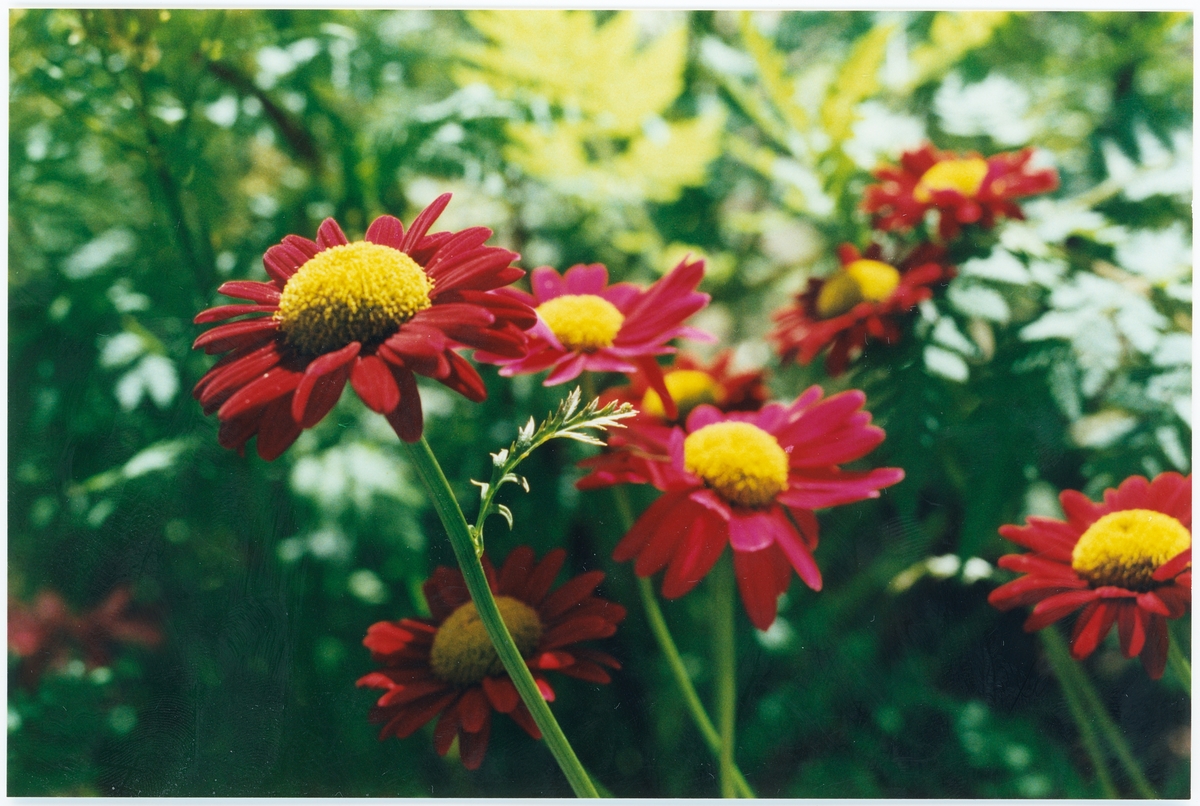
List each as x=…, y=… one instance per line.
x=964, y=176
x=1126, y=560
x=446, y=667
x=1125, y=548
x=743, y=463
x=860, y=280
x=688, y=388
x=583, y=322
x=463, y=654
x=356, y=292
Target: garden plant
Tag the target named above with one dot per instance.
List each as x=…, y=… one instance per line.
x=625, y=403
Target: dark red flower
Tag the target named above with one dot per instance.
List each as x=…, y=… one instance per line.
x=1126, y=560
x=372, y=312
x=585, y=323
x=47, y=634
x=863, y=300
x=964, y=189
x=447, y=665
x=750, y=480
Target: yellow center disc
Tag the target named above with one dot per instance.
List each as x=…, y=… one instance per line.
x=1124, y=548
x=582, y=322
x=743, y=463
x=355, y=292
x=861, y=280
x=688, y=387
x=965, y=176
x=462, y=653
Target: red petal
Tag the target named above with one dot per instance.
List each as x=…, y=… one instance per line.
x=374, y=383
x=262, y=293
x=386, y=230
x=693, y=560
x=330, y=234
x=464, y=379
x=756, y=583
x=236, y=334
x=473, y=709
x=1154, y=653
x=322, y=385
x=570, y=594
x=1052, y=608
x=501, y=693
x=515, y=571
x=415, y=715
x=424, y=221
x=473, y=746
x=277, y=430
x=229, y=311
x=646, y=525
x=1131, y=625
x=1092, y=625
x=407, y=419
x=274, y=384
x=543, y=576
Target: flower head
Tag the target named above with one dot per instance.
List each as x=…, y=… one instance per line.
x=447, y=665
x=750, y=480
x=964, y=189
x=372, y=312
x=1126, y=560
x=863, y=300
x=45, y=633
x=585, y=323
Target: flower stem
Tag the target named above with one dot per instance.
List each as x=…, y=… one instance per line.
x=1108, y=728
x=1181, y=667
x=444, y=502
x=666, y=644
x=724, y=648
x=1059, y=659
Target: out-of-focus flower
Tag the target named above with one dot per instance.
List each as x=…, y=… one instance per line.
x=750, y=480
x=864, y=299
x=447, y=665
x=691, y=382
x=1126, y=560
x=963, y=189
x=46, y=634
x=583, y=323
x=372, y=312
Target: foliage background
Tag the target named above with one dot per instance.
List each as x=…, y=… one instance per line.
x=154, y=154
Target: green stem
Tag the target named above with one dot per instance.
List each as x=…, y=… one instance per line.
x=1056, y=653
x=444, y=502
x=724, y=648
x=1181, y=667
x=666, y=644
x=1108, y=728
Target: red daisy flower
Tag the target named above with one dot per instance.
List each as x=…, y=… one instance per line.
x=584, y=323
x=1126, y=560
x=45, y=634
x=750, y=480
x=862, y=300
x=447, y=665
x=964, y=189
x=372, y=312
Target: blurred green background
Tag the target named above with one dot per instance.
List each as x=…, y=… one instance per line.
x=153, y=155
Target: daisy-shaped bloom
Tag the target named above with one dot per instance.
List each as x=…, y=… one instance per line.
x=586, y=324
x=750, y=480
x=1126, y=560
x=863, y=300
x=964, y=189
x=447, y=667
x=372, y=312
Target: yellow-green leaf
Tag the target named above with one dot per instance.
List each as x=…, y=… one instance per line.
x=857, y=79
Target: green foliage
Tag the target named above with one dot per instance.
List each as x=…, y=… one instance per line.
x=156, y=154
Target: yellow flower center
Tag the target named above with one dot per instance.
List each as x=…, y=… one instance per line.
x=1124, y=548
x=965, y=176
x=583, y=322
x=688, y=387
x=462, y=653
x=743, y=463
x=861, y=280
x=355, y=292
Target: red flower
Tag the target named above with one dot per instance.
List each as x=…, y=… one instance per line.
x=584, y=323
x=750, y=480
x=862, y=300
x=447, y=665
x=1126, y=560
x=964, y=189
x=46, y=633
x=372, y=312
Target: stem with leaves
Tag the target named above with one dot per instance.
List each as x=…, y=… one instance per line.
x=467, y=542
